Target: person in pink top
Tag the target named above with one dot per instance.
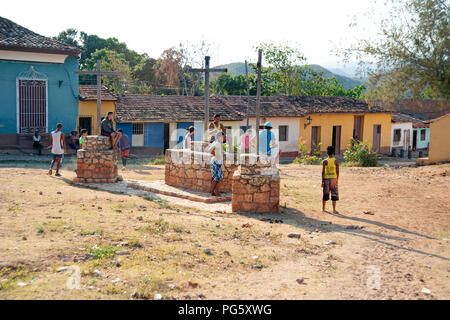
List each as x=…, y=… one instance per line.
x=247, y=141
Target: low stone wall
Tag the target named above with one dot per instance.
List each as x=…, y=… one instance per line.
x=96, y=162
x=256, y=186
x=192, y=169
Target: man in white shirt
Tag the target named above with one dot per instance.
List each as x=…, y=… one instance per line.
x=58, y=147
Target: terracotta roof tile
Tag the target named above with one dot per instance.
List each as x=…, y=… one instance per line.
x=405, y=118
x=232, y=108
x=16, y=37
x=170, y=108
x=89, y=93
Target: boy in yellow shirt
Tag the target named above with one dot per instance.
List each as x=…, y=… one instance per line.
x=330, y=177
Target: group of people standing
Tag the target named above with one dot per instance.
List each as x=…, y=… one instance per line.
x=216, y=135
x=119, y=140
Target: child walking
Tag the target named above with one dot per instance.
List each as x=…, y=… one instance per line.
x=124, y=147
x=330, y=177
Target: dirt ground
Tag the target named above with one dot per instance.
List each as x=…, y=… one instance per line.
x=135, y=247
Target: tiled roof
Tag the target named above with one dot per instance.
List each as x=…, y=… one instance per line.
x=399, y=119
x=184, y=108
x=422, y=109
x=319, y=104
x=15, y=37
x=272, y=106
x=89, y=92
x=298, y=106
x=405, y=118
x=170, y=108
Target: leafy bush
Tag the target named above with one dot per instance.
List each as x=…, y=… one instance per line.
x=306, y=157
x=359, y=153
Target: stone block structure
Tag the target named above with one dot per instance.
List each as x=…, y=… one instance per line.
x=256, y=185
x=191, y=169
x=96, y=162
x=253, y=180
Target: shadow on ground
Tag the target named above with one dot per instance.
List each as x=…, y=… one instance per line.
x=298, y=219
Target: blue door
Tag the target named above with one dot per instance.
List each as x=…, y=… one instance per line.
x=154, y=134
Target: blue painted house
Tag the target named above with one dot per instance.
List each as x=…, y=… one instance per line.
x=38, y=87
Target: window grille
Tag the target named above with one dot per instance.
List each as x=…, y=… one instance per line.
x=138, y=128
x=32, y=101
x=32, y=106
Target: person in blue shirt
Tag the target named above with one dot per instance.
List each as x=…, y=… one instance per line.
x=268, y=144
x=266, y=139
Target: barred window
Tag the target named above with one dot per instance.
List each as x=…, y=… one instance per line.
x=422, y=134
x=138, y=128
x=32, y=102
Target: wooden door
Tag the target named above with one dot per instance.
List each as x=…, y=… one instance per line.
x=376, y=138
x=315, y=138
x=337, y=139
x=407, y=141
x=358, y=128
x=166, y=136
x=414, y=146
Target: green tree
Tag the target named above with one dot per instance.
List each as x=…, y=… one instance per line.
x=70, y=37
x=284, y=67
x=226, y=84
x=285, y=72
x=113, y=61
x=410, y=55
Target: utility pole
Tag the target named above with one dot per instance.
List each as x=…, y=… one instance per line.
x=206, y=71
x=248, y=94
x=258, y=99
x=99, y=73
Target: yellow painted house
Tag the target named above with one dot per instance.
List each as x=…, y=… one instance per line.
x=439, y=147
x=87, y=107
x=336, y=129
x=315, y=120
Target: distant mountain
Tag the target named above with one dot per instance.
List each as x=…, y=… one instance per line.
x=340, y=72
x=237, y=68
x=346, y=81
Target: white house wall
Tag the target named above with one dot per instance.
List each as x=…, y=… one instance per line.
x=293, y=124
x=402, y=126
x=32, y=56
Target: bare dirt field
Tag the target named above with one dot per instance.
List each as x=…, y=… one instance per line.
x=128, y=246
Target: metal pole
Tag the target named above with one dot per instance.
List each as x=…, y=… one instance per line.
x=248, y=94
x=99, y=96
x=206, y=95
x=258, y=98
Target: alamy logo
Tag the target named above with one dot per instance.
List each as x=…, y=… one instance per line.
x=374, y=277
x=73, y=282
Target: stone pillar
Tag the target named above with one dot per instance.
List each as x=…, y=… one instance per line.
x=97, y=162
x=256, y=185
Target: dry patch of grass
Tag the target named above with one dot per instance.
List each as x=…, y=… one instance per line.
x=126, y=246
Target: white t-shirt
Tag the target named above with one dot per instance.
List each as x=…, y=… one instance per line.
x=187, y=141
x=218, y=149
x=57, y=146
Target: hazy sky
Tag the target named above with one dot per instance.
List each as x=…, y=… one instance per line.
x=234, y=27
